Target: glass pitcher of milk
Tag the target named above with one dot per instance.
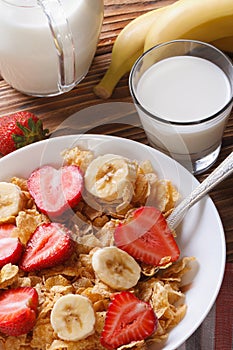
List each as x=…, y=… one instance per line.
x=47, y=46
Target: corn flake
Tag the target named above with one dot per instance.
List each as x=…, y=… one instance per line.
x=8, y=275
x=27, y=221
x=76, y=156
x=166, y=196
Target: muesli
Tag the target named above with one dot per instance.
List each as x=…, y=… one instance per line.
x=94, y=265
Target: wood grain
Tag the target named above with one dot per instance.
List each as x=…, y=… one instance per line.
x=56, y=111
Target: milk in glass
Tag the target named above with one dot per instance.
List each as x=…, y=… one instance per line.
x=182, y=92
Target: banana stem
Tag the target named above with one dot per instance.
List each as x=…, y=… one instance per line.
x=107, y=84
x=112, y=76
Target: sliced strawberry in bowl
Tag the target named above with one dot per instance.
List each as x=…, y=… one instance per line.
x=56, y=190
x=50, y=245
x=18, y=309
x=10, y=250
x=10, y=247
x=146, y=236
x=128, y=319
x=6, y=230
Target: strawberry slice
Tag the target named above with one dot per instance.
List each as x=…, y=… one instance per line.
x=10, y=247
x=56, y=190
x=18, y=310
x=49, y=246
x=128, y=319
x=146, y=236
x=6, y=230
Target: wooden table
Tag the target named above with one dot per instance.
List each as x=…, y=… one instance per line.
x=55, y=110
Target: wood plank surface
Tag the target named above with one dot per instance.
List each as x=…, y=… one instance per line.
x=117, y=115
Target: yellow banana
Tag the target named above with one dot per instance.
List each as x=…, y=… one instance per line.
x=224, y=44
x=126, y=49
x=204, y=20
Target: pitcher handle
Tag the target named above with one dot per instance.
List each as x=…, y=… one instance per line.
x=63, y=41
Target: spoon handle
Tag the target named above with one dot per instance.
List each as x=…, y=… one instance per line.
x=217, y=176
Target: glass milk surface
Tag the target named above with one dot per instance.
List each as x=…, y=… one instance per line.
x=184, y=89
x=28, y=59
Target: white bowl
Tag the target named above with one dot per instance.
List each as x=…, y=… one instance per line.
x=200, y=234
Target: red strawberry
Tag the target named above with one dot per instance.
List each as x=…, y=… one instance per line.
x=49, y=246
x=18, y=310
x=128, y=319
x=10, y=247
x=6, y=230
x=55, y=191
x=10, y=250
x=18, y=130
x=146, y=236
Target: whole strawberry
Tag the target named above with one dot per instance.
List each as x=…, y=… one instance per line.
x=18, y=130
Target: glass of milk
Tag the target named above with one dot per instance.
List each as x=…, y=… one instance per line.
x=183, y=92
x=47, y=46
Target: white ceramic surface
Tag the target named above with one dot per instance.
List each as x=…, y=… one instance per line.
x=200, y=234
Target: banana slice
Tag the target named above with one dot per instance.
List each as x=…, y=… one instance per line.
x=110, y=176
x=73, y=317
x=11, y=199
x=116, y=268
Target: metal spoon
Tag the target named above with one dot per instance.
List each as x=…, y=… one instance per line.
x=217, y=176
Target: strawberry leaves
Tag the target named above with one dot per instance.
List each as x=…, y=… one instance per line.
x=31, y=133
x=20, y=129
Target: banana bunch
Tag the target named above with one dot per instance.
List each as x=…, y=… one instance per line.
x=205, y=20
x=224, y=44
x=128, y=46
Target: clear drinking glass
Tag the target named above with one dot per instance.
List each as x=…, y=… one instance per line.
x=193, y=141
